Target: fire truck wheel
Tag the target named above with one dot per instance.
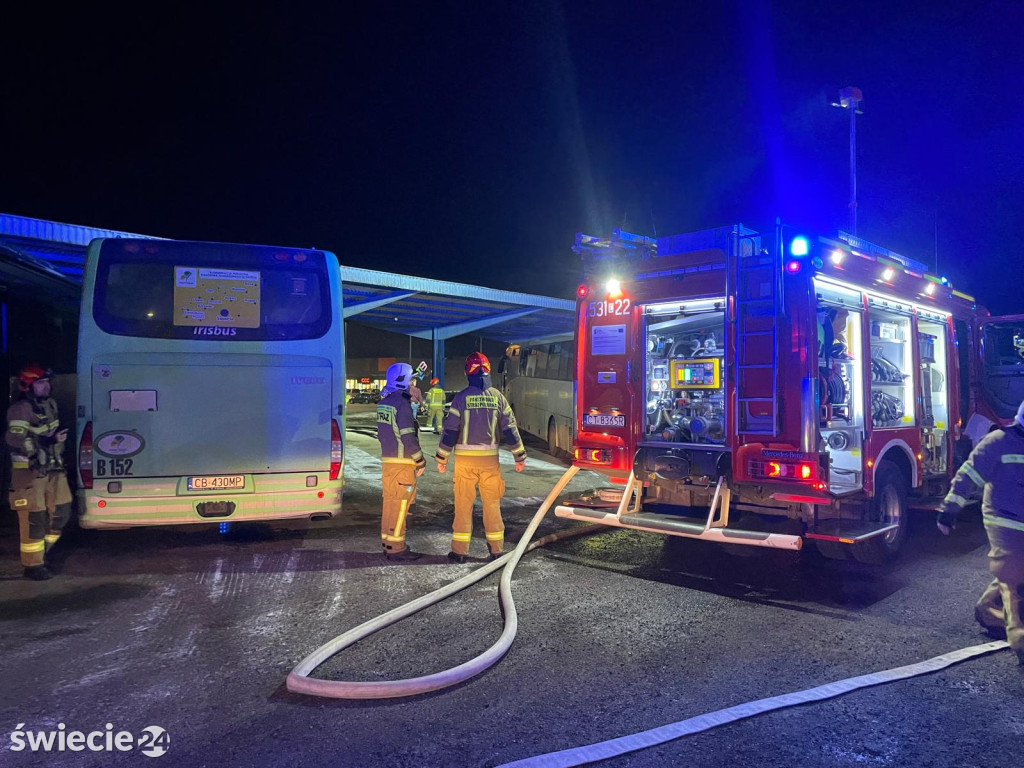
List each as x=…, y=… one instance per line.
x=888, y=504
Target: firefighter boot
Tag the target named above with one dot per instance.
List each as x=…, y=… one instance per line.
x=403, y=555
x=38, y=573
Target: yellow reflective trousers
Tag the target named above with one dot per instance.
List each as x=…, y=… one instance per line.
x=483, y=472
x=43, y=505
x=399, y=482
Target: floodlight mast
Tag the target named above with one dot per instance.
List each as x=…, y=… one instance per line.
x=850, y=98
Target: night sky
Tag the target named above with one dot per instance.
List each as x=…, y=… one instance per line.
x=470, y=141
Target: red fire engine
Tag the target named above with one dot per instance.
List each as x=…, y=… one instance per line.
x=763, y=391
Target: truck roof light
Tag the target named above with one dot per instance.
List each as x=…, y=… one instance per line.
x=837, y=256
x=888, y=274
x=799, y=246
x=614, y=287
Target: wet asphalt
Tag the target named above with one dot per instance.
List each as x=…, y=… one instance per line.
x=194, y=631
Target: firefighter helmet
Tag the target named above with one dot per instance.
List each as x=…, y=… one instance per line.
x=398, y=377
x=434, y=382
x=477, y=363
x=32, y=373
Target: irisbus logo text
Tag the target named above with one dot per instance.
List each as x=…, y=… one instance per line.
x=205, y=331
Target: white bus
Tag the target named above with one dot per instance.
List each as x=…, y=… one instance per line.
x=211, y=384
x=538, y=382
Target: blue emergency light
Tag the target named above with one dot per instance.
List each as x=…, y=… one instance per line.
x=799, y=246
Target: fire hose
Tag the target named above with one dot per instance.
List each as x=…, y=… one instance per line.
x=299, y=680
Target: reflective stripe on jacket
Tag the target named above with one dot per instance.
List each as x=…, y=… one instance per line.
x=477, y=422
x=994, y=472
x=396, y=430
x=435, y=397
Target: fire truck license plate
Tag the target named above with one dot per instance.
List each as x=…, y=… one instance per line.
x=216, y=482
x=603, y=420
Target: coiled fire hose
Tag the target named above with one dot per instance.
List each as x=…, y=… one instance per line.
x=299, y=680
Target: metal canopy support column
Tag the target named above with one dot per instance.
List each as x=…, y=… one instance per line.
x=438, y=356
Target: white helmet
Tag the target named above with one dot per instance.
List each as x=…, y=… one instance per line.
x=398, y=377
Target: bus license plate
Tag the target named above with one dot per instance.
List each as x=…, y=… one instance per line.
x=216, y=482
x=603, y=420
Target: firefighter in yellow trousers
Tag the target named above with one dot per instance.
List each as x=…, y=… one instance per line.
x=435, y=406
x=401, y=461
x=994, y=472
x=479, y=418
x=39, y=490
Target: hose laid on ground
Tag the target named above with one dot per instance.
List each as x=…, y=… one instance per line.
x=299, y=680
x=604, y=750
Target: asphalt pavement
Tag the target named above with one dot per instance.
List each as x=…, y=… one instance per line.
x=194, y=632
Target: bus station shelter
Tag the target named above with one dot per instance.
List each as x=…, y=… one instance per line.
x=418, y=307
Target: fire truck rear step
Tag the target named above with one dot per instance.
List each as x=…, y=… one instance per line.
x=673, y=526
x=849, y=531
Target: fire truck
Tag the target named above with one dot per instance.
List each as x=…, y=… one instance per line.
x=768, y=390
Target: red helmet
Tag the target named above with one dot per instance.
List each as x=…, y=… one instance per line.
x=434, y=382
x=477, y=363
x=31, y=373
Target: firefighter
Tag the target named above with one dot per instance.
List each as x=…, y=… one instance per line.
x=995, y=472
x=435, y=406
x=401, y=461
x=39, y=490
x=478, y=419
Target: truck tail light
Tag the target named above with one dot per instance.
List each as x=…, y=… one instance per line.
x=783, y=470
x=85, y=456
x=335, y=449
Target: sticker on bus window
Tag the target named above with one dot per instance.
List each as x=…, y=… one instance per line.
x=226, y=298
x=608, y=340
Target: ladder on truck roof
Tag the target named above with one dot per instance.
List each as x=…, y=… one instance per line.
x=758, y=278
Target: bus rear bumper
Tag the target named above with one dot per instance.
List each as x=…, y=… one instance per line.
x=99, y=510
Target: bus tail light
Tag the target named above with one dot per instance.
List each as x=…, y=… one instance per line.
x=594, y=455
x=85, y=456
x=335, y=449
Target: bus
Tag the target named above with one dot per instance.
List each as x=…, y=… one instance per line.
x=538, y=382
x=211, y=384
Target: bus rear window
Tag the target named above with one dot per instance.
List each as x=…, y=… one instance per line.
x=239, y=293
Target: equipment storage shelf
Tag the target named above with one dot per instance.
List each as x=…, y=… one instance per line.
x=892, y=387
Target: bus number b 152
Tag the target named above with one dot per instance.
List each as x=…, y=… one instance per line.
x=113, y=467
x=605, y=308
